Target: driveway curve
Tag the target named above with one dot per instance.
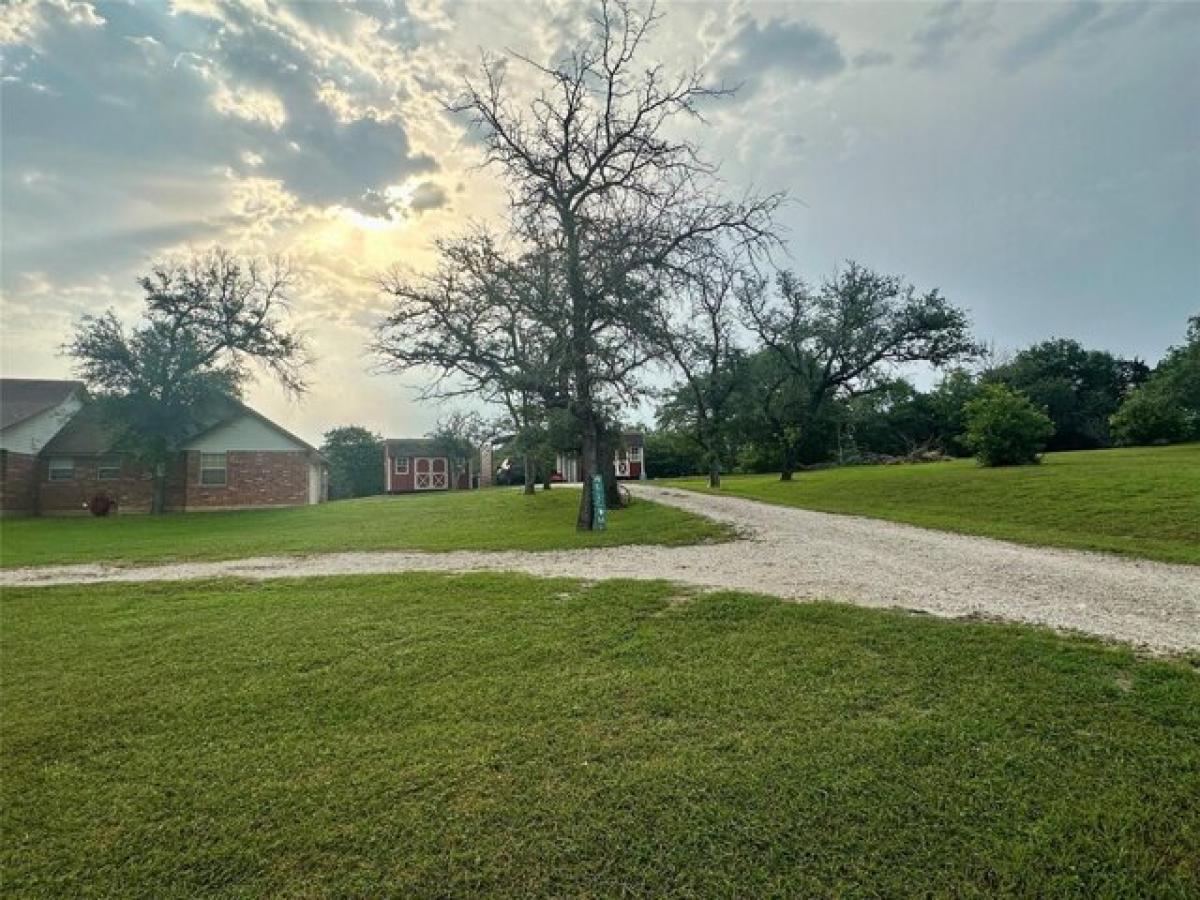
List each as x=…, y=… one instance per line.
x=798, y=554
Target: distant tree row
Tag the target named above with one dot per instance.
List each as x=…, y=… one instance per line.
x=1065, y=396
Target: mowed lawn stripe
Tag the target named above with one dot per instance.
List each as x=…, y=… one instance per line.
x=1139, y=501
x=505, y=736
x=494, y=519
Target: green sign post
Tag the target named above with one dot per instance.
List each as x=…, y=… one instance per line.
x=599, y=515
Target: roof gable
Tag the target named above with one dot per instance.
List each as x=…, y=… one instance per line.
x=88, y=433
x=24, y=398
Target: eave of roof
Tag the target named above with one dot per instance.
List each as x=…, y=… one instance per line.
x=40, y=395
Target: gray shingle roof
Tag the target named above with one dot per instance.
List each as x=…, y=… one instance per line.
x=24, y=398
x=413, y=447
x=87, y=433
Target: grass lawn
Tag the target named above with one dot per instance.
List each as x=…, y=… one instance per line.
x=1140, y=502
x=496, y=519
x=490, y=734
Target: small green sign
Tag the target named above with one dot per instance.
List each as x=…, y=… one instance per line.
x=599, y=514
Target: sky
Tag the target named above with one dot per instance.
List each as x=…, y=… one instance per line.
x=1037, y=162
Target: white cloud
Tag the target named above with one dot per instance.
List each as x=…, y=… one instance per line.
x=250, y=104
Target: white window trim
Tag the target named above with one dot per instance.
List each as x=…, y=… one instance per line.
x=101, y=468
x=69, y=468
x=635, y=454
x=401, y=465
x=224, y=482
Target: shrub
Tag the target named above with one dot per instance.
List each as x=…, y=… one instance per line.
x=1004, y=428
x=1150, y=416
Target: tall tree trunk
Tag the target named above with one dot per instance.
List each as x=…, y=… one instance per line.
x=587, y=468
x=530, y=474
x=714, y=473
x=547, y=471
x=158, y=500
x=789, y=462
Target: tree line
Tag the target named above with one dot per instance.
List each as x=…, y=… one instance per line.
x=1056, y=395
x=623, y=255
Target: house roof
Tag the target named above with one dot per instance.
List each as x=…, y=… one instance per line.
x=24, y=398
x=87, y=433
x=236, y=408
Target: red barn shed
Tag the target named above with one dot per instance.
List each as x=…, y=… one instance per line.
x=419, y=464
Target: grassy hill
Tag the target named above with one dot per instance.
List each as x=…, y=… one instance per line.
x=494, y=519
x=1138, y=501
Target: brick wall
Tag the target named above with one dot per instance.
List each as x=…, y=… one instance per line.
x=18, y=483
x=253, y=478
x=133, y=489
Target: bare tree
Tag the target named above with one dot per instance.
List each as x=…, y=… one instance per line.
x=206, y=318
x=596, y=177
x=703, y=348
x=483, y=323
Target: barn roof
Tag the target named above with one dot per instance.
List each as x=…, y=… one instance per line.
x=24, y=398
x=413, y=447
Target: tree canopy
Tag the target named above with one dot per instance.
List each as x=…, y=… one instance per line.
x=206, y=320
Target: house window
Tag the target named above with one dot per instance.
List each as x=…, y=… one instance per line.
x=635, y=454
x=401, y=465
x=62, y=468
x=214, y=469
x=108, y=468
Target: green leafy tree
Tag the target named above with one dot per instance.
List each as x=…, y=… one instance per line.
x=842, y=340
x=206, y=319
x=1004, y=428
x=670, y=454
x=1151, y=416
x=355, y=462
x=1167, y=407
x=1080, y=389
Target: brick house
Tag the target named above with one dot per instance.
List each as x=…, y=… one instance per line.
x=32, y=412
x=419, y=464
x=236, y=458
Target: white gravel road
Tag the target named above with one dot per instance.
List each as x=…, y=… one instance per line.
x=799, y=555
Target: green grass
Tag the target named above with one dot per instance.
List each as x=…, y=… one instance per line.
x=505, y=736
x=470, y=520
x=1140, y=502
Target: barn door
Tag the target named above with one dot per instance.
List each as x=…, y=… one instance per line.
x=430, y=474
x=438, y=475
x=422, y=474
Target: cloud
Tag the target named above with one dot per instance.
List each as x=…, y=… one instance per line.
x=947, y=25
x=1068, y=23
x=144, y=123
x=428, y=195
x=870, y=58
x=776, y=49
x=251, y=105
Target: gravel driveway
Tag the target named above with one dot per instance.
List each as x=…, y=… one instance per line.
x=798, y=554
